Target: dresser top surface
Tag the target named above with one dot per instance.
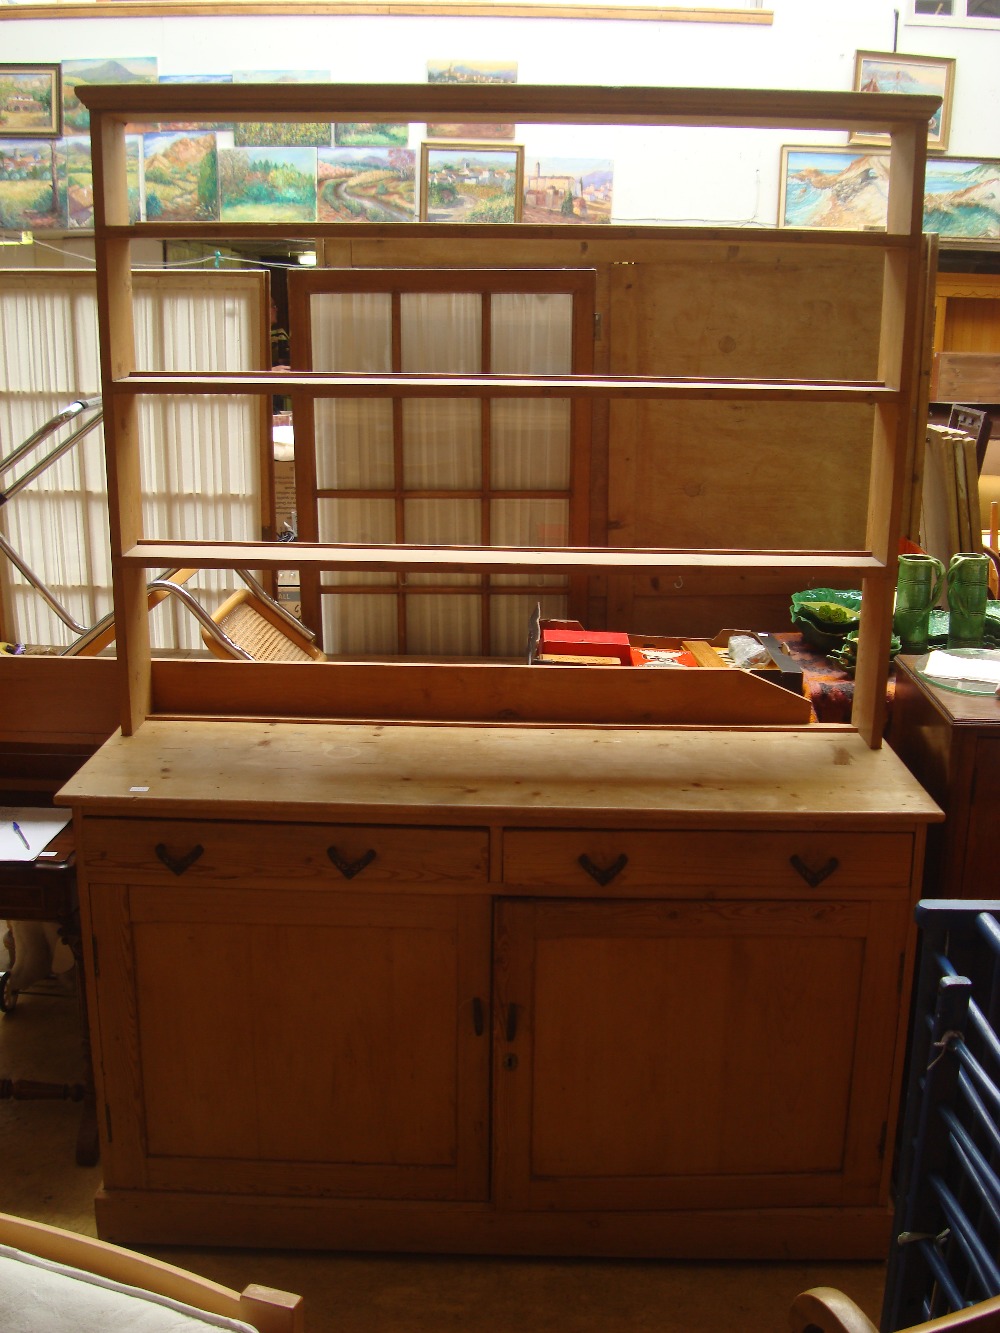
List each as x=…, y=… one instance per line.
x=464, y=774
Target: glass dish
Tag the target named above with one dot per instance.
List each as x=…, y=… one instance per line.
x=957, y=685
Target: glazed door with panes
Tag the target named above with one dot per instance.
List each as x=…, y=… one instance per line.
x=440, y=471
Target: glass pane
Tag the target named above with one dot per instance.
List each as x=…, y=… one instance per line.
x=510, y=617
x=442, y=523
x=529, y=449
x=360, y=626
x=441, y=332
x=442, y=444
x=529, y=523
x=359, y=523
x=532, y=333
x=444, y=625
x=354, y=444
x=351, y=331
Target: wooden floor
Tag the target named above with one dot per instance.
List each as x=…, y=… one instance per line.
x=392, y=1294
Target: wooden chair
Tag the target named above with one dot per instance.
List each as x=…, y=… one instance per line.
x=826, y=1310
x=262, y=1308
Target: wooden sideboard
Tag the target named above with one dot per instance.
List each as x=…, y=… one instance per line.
x=512, y=989
x=951, y=743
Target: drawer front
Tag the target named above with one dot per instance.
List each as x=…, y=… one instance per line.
x=732, y=861
x=299, y=855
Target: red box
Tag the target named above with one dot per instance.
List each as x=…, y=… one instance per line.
x=568, y=642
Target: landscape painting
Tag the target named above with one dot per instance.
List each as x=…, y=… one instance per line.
x=192, y=127
x=30, y=198
x=267, y=184
x=76, y=180
x=470, y=73
x=181, y=175
x=365, y=133
x=30, y=101
x=962, y=198
x=276, y=133
x=75, y=73
x=470, y=183
x=844, y=188
x=888, y=72
x=567, y=189
x=366, y=184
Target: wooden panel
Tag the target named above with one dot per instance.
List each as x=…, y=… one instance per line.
x=733, y=864
x=966, y=377
x=702, y=1011
x=292, y=855
x=982, y=856
x=387, y=1094
x=62, y=700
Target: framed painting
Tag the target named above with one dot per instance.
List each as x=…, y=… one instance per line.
x=567, y=189
x=468, y=73
x=962, y=198
x=30, y=101
x=366, y=184
x=842, y=188
x=888, y=72
x=471, y=183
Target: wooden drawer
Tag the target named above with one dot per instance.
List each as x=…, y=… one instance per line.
x=300, y=855
x=730, y=862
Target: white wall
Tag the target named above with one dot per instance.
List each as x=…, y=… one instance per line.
x=660, y=175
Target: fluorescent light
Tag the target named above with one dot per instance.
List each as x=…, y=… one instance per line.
x=307, y=259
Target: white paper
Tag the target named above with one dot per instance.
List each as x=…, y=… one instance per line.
x=946, y=666
x=37, y=828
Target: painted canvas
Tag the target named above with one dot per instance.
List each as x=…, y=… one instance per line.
x=76, y=179
x=278, y=134
x=30, y=199
x=30, y=101
x=191, y=127
x=267, y=184
x=567, y=189
x=470, y=183
x=889, y=72
x=962, y=197
x=844, y=188
x=366, y=184
x=365, y=133
x=470, y=73
x=181, y=175
x=76, y=117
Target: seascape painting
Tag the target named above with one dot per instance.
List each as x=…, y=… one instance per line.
x=181, y=177
x=470, y=73
x=366, y=184
x=846, y=188
x=370, y=133
x=276, y=133
x=890, y=72
x=30, y=198
x=30, y=101
x=267, y=184
x=567, y=189
x=470, y=183
x=121, y=69
x=962, y=198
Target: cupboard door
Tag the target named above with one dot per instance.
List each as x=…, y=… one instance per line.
x=295, y=1042
x=983, y=840
x=694, y=1055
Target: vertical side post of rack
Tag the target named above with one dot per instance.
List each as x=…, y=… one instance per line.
x=895, y=423
x=121, y=417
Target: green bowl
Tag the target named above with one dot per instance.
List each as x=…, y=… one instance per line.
x=813, y=605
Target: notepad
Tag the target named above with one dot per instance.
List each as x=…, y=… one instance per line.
x=37, y=826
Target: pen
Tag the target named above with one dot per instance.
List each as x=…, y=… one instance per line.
x=20, y=833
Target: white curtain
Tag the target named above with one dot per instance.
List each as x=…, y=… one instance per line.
x=527, y=449
x=200, y=456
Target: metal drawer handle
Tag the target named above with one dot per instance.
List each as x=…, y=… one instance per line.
x=350, y=868
x=814, y=878
x=606, y=875
x=178, y=864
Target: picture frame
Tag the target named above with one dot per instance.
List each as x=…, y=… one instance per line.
x=892, y=72
x=31, y=101
x=471, y=182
